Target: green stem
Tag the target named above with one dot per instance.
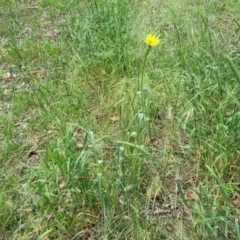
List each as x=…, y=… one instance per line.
x=143, y=67
x=141, y=82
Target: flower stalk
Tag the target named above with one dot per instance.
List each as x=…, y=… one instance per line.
x=151, y=40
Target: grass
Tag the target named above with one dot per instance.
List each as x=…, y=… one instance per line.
x=103, y=138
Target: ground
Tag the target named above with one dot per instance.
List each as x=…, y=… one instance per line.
x=105, y=137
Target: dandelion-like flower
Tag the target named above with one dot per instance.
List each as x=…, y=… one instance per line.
x=151, y=40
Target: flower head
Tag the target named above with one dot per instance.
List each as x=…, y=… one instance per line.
x=151, y=40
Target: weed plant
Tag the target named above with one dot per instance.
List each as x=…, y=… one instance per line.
x=104, y=135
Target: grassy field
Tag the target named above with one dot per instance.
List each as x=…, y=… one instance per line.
x=105, y=137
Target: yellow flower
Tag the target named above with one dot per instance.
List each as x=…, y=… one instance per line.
x=151, y=40
x=144, y=3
